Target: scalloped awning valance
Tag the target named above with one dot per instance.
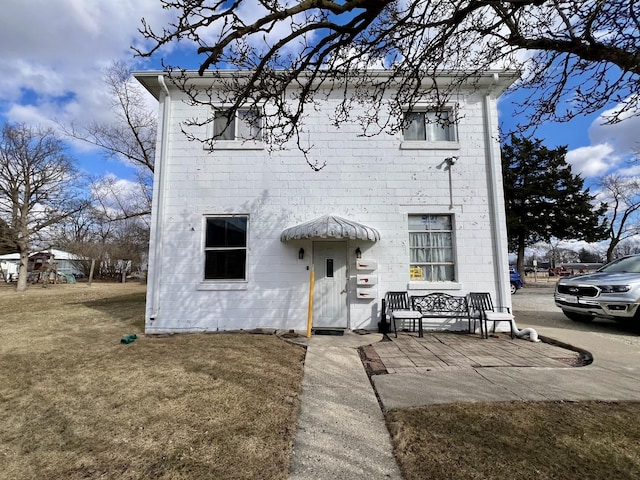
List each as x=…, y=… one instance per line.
x=330, y=226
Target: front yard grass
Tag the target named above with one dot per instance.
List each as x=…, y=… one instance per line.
x=519, y=440
x=76, y=403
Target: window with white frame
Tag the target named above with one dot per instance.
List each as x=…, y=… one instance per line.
x=225, y=248
x=431, y=248
x=430, y=126
x=246, y=125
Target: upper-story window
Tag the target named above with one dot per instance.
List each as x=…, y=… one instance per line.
x=430, y=126
x=246, y=125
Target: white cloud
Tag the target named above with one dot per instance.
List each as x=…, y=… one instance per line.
x=631, y=168
x=613, y=148
x=622, y=136
x=114, y=193
x=53, y=52
x=593, y=160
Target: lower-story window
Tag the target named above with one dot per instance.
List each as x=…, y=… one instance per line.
x=431, y=248
x=225, y=248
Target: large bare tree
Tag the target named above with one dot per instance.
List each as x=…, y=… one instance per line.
x=129, y=137
x=622, y=195
x=576, y=57
x=39, y=186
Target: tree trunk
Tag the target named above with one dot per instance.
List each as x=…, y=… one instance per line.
x=520, y=258
x=22, y=272
x=93, y=265
x=612, y=246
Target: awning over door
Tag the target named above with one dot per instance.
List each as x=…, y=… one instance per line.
x=330, y=226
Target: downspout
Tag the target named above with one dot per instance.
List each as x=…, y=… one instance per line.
x=498, y=217
x=500, y=253
x=158, y=197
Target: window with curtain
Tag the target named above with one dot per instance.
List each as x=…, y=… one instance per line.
x=246, y=125
x=430, y=126
x=431, y=248
x=225, y=248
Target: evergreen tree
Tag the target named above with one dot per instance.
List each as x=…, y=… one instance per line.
x=544, y=199
x=585, y=256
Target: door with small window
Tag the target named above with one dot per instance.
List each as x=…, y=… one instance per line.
x=330, y=292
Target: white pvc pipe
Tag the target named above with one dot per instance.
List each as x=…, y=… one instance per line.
x=526, y=332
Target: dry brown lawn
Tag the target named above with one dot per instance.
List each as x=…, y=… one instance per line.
x=524, y=440
x=76, y=403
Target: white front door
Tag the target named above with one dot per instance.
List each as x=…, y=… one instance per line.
x=330, y=292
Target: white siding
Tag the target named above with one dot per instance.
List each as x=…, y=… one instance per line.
x=369, y=180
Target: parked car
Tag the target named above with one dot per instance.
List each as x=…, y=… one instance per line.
x=515, y=280
x=612, y=291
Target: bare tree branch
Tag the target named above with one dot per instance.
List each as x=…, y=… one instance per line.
x=623, y=197
x=132, y=137
x=576, y=57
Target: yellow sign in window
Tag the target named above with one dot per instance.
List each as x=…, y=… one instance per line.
x=415, y=273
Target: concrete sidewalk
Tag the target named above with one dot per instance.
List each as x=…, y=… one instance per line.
x=341, y=430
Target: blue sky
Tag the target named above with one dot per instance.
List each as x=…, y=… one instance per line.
x=594, y=149
x=52, y=53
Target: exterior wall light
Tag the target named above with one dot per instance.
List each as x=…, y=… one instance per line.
x=358, y=253
x=301, y=253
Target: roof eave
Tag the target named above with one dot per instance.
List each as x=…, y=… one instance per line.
x=496, y=80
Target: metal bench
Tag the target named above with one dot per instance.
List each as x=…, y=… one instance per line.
x=441, y=305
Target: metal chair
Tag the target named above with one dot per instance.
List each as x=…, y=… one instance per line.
x=398, y=307
x=482, y=307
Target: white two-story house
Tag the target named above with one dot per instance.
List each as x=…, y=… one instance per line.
x=237, y=230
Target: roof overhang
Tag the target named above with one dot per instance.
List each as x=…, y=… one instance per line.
x=330, y=226
x=495, y=81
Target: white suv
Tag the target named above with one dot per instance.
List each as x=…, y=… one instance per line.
x=613, y=291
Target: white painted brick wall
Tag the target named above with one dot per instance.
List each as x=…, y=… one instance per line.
x=369, y=180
